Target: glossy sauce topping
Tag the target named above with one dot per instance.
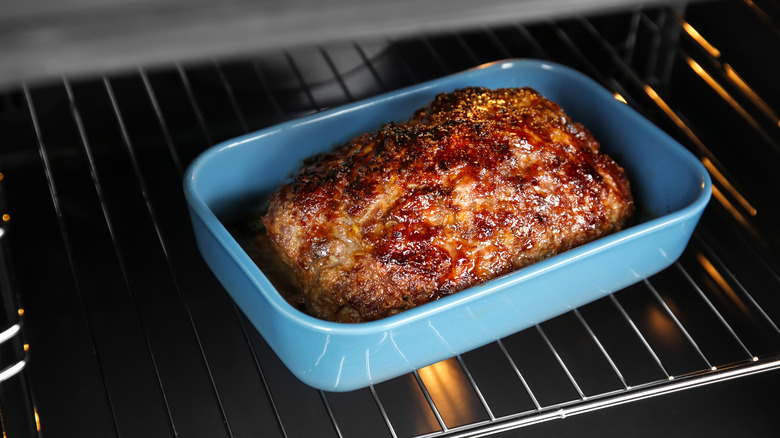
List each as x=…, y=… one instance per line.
x=477, y=184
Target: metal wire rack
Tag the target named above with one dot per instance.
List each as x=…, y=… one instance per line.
x=14, y=390
x=125, y=322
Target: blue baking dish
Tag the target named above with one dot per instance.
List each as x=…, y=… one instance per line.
x=670, y=185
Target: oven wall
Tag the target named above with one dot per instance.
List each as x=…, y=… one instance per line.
x=44, y=39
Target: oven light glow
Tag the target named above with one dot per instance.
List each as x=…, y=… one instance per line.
x=20, y=312
x=715, y=192
x=700, y=39
x=731, y=209
x=664, y=327
x=448, y=387
x=619, y=97
x=727, y=185
x=699, y=70
x=1, y=176
x=672, y=115
x=6, y=217
x=754, y=97
x=714, y=368
x=722, y=283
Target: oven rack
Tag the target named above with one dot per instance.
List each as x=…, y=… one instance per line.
x=106, y=266
x=12, y=359
x=14, y=388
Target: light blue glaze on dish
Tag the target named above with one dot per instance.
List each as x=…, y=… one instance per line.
x=234, y=176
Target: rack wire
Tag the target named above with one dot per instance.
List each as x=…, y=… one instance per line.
x=14, y=389
x=95, y=170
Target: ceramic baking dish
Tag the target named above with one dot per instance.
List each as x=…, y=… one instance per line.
x=670, y=185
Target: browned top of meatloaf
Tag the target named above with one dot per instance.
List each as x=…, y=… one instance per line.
x=476, y=184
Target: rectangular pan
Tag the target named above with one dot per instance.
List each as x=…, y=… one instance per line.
x=670, y=185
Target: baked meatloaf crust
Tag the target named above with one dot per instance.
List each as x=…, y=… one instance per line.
x=476, y=184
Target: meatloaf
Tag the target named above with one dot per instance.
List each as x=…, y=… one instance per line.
x=476, y=184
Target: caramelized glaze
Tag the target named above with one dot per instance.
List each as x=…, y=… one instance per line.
x=475, y=185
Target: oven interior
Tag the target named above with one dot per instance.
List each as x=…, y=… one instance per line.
x=112, y=325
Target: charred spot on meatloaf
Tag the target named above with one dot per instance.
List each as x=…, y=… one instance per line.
x=474, y=185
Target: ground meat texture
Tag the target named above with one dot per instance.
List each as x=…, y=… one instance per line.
x=474, y=185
